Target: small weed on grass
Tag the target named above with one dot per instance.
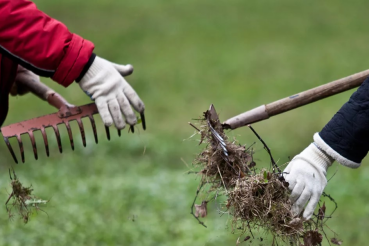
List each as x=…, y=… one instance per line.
x=21, y=200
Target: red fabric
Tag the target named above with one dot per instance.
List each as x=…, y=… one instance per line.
x=39, y=43
x=43, y=43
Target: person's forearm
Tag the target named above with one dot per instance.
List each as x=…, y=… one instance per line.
x=345, y=137
x=41, y=43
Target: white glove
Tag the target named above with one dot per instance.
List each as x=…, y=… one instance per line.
x=306, y=175
x=22, y=75
x=113, y=96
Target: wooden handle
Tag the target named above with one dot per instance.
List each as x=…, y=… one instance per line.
x=316, y=93
x=265, y=111
x=34, y=86
x=42, y=91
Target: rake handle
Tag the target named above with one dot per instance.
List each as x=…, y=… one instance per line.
x=42, y=91
x=306, y=97
x=316, y=94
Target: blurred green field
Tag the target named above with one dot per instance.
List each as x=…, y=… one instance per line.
x=188, y=54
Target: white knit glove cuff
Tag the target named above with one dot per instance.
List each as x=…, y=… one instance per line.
x=316, y=157
x=334, y=154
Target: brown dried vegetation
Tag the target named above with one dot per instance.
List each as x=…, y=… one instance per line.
x=255, y=198
x=21, y=200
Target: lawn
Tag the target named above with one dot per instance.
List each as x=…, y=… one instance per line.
x=135, y=190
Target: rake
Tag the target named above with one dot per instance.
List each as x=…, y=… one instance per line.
x=66, y=113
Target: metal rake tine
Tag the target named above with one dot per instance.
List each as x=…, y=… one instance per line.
x=57, y=134
x=143, y=120
x=10, y=149
x=69, y=134
x=82, y=130
x=217, y=136
x=20, y=143
x=32, y=137
x=107, y=132
x=220, y=139
x=44, y=136
x=93, y=127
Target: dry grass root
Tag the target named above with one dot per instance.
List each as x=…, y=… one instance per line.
x=256, y=198
x=21, y=201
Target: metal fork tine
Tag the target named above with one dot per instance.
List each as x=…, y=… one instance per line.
x=93, y=127
x=32, y=137
x=57, y=134
x=107, y=132
x=219, y=138
x=20, y=146
x=44, y=136
x=119, y=133
x=10, y=149
x=69, y=134
x=143, y=120
x=82, y=130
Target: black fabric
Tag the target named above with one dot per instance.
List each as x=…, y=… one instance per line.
x=39, y=71
x=86, y=67
x=348, y=131
x=8, y=72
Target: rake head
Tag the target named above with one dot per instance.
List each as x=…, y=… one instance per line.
x=64, y=116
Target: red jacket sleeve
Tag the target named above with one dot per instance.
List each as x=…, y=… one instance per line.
x=40, y=43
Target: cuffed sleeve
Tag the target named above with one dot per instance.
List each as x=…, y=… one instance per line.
x=40, y=43
x=346, y=136
x=72, y=64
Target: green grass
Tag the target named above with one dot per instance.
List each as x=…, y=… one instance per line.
x=187, y=55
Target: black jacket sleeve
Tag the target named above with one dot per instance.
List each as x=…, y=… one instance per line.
x=347, y=133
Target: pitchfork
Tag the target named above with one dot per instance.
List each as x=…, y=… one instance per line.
x=67, y=112
x=303, y=98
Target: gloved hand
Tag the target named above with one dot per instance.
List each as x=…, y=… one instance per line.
x=306, y=175
x=22, y=75
x=113, y=96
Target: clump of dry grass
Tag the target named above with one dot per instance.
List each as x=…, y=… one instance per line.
x=262, y=200
x=255, y=198
x=21, y=200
